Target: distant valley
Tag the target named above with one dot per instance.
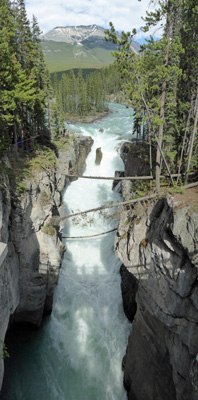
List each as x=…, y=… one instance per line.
x=81, y=46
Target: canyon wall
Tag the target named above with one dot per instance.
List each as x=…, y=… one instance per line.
x=157, y=242
x=31, y=247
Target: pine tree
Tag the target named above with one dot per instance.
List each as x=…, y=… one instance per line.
x=188, y=86
x=155, y=82
x=24, y=83
x=15, y=89
x=7, y=54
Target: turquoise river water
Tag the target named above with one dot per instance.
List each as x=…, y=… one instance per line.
x=77, y=353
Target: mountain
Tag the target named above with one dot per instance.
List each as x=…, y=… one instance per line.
x=78, y=47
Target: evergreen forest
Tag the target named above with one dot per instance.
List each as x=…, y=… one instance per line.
x=78, y=95
x=31, y=103
x=161, y=84
x=24, y=78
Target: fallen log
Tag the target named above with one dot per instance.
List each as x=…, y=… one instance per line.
x=116, y=178
x=108, y=206
x=120, y=178
x=55, y=220
x=89, y=236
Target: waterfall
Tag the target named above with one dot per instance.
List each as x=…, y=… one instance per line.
x=77, y=354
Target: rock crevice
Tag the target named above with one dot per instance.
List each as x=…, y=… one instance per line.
x=163, y=343
x=29, y=272
x=157, y=243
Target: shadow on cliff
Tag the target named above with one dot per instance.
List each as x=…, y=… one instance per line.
x=23, y=265
x=30, y=275
x=160, y=238
x=35, y=274
x=159, y=342
x=171, y=252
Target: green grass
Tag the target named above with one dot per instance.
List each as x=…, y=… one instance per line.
x=24, y=168
x=62, y=56
x=63, y=143
x=43, y=159
x=176, y=189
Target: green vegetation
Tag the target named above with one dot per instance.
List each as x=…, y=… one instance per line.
x=61, y=56
x=140, y=189
x=32, y=110
x=4, y=352
x=161, y=85
x=24, y=79
x=49, y=230
x=61, y=142
x=85, y=73
x=81, y=96
x=23, y=169
x=44, y=159
x=176, y=189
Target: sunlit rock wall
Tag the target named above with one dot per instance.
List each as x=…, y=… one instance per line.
x=29, y=272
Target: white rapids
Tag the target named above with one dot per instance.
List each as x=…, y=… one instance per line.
x=77, y=355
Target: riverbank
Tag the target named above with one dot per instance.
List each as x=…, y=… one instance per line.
x=119, y=98
x=88, y=119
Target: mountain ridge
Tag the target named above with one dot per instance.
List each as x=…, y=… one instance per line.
x=80, y=46
x=77, y=34
x=73, y=34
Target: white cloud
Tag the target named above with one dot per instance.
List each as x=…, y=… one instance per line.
x=87, y=12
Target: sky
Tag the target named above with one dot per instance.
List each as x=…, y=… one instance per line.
x=124, y=15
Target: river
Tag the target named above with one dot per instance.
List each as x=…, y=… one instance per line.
x=77, y=354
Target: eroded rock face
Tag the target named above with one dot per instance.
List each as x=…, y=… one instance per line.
x=98, y=156
x=135, y=158
x=158, y=244
x=29, y=273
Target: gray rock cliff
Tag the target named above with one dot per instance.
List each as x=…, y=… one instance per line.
x=158, y=245
x=30, y=269
x=89, y=36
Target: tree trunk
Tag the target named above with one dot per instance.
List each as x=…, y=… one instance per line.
x=163, y=99
x=150, y=160
x=192, y=138
x=184, y=140
x=163, y=158
x=16, y=143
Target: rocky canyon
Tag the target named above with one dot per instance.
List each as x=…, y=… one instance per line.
x=157, y=242
x=31, y=247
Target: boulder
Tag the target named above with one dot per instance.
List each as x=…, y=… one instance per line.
x=98, y=156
